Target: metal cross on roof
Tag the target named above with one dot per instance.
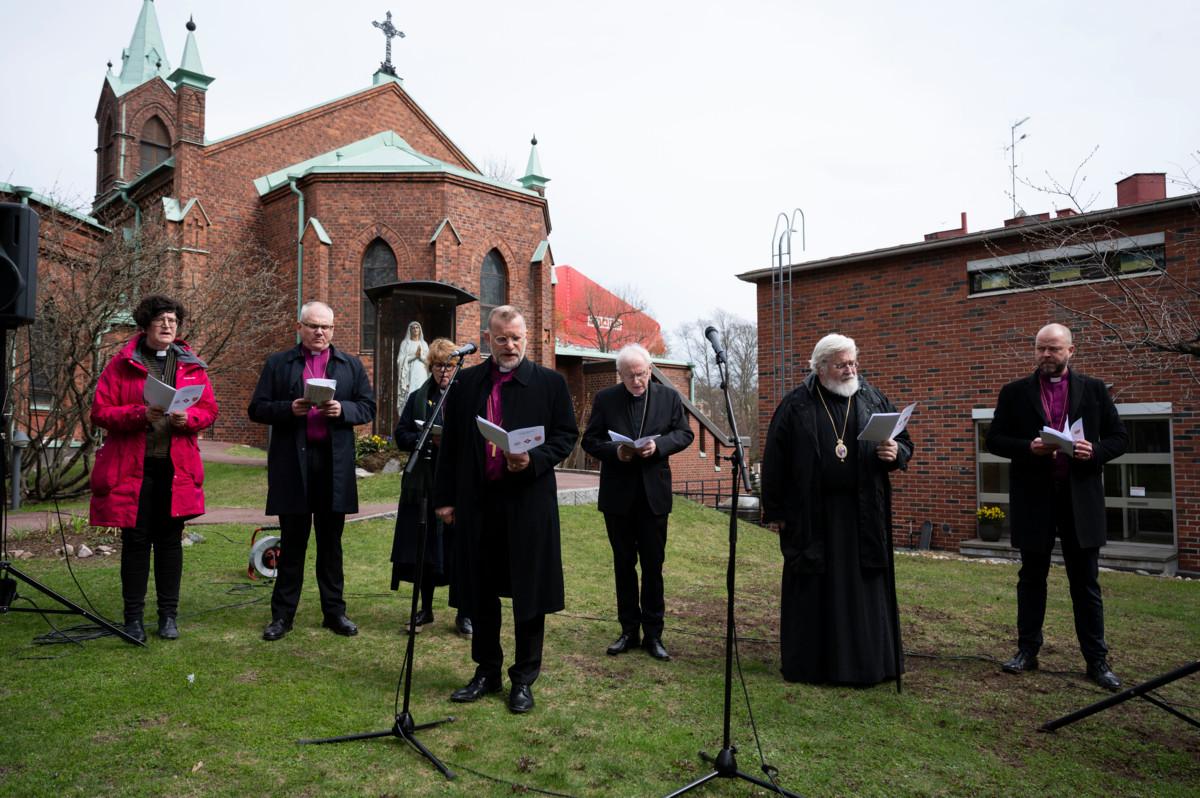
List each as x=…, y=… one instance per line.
x=391, y=32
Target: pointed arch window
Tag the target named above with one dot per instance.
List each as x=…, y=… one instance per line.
x=378, y=268
x=155, y=144
x=108, y=152
x=493, y=290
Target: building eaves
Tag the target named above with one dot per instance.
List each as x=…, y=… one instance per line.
x=128, y=188
x=994, y=234
x=42, y=199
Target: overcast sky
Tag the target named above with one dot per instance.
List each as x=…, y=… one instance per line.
x=674, y=133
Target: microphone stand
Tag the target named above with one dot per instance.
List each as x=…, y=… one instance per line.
x=725, y=762
x=404, y=725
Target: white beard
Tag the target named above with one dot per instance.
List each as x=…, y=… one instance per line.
x=845, y=388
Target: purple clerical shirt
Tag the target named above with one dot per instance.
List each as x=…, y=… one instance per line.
x=493, y=455
x=1054, y=403
x=315, y=364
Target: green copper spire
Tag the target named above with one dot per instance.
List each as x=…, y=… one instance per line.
x=534, y=179
x=191, y=71
x=146, y=57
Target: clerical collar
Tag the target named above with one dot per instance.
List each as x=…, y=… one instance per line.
x=1059, y=378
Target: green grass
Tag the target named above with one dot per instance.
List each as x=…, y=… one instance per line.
x=106, y=718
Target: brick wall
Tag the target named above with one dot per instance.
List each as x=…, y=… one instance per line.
x=923, y=339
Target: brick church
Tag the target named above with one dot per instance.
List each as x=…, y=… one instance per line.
x=363, y=202
x=361, y=192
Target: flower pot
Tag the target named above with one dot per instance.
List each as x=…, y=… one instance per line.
x=990, y=531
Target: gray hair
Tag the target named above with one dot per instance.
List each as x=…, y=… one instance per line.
x=504, y=313
x=631, y=352
x=310, y=305
x=829, y=346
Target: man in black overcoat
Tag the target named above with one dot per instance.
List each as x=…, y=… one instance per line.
x=505, y=506
x=635, y=490
x=310, y=463
x=1055, y=495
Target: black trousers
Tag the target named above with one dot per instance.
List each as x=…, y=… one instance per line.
x=294, y=530
x=492, y=582
x=1083, y=572
x=638, y=535
x=156, y=530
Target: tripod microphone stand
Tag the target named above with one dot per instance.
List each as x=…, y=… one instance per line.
x=9, y=574
x=404, y=726
x=725, y=762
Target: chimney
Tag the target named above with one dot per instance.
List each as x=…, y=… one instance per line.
x=940, y=234
x=1141, y=187
x=1063, y=212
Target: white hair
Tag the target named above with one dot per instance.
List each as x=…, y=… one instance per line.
x=313, y=304
x=829, y=346
x=631, y=352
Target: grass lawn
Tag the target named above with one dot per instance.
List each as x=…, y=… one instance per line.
x=218, y=712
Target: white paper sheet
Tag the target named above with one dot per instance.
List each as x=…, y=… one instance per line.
x=318, y=391
x=617, y=437
x=1064, y=439
x=886, y=426
x=171, y=400
x=516, y=441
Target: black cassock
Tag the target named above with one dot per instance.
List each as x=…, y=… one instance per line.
x=836, y=626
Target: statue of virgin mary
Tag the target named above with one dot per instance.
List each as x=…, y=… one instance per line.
x=412, y=367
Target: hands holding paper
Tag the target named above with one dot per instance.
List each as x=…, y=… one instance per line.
x=887, y=450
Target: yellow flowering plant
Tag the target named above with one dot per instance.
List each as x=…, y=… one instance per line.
x=989, y=513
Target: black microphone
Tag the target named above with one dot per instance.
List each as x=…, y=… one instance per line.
x=464, y=350
x=714, y=338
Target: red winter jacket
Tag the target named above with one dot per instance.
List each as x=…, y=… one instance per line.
x=120, y=408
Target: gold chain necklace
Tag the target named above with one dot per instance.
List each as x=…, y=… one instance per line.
x=840, y=450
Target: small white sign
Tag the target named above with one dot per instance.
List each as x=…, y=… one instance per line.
x=1135, y=490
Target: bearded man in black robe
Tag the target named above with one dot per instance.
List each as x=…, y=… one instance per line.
x=829, y=495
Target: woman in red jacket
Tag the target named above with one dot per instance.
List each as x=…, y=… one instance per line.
x=148, y=479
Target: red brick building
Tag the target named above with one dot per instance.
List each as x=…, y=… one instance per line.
x=948, y=320
x=359, y=191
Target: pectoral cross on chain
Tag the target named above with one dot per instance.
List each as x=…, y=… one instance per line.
x=390, y=31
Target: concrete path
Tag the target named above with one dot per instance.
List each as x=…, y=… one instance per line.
x=574, y=487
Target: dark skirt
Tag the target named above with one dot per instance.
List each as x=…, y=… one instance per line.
x=836, y=626
x=439, y=548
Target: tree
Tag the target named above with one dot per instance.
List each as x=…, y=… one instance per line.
x=611, y=319
x=88, y=285
x=740, y=340
x=1139, y=304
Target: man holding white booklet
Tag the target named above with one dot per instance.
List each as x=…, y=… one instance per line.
x=634, y=427
x=1058, y=428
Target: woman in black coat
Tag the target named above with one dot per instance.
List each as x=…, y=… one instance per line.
x=418, y=486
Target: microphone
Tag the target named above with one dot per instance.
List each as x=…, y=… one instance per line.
x=714, y=338
x=464, y=350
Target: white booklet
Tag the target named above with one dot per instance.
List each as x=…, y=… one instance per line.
x=514, y=442
x=1064, y=439
x=159, y=394
x=886, y=426
x=617, y=437
x=319, y=391
x=437, y=428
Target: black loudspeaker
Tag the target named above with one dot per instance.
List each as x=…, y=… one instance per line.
x=18, y=265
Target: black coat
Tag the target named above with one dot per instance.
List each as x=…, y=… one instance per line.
x=791, y=478
x=1019, y=419
x=536, y=396
x=618, y=480
x=281, y=382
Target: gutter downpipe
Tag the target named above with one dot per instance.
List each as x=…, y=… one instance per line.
x=299, y=249
x=137, y=209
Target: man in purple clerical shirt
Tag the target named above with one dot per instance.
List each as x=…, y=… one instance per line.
x=1056, y=495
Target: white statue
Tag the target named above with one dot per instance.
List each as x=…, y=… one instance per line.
x=412, y=367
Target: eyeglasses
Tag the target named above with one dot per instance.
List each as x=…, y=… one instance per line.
x=316, y=327
x=442, y=366
x=165, y=321
x=849, y=365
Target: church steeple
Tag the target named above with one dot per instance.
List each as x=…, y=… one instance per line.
x=191, y=71
x=534, y=179
x=146, y=56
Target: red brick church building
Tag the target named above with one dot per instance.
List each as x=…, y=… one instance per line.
x=360, y=192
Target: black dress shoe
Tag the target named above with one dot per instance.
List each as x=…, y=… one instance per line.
x=167, y=628
x=1100, y=673
x=520, y=699
x=476, y=689
x=462, y=624
x=276, y=629
x=136, y=630
x=340, y=625
x=423, y=618
x=655, y=648
x=1021, y=662
x=622, y=644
